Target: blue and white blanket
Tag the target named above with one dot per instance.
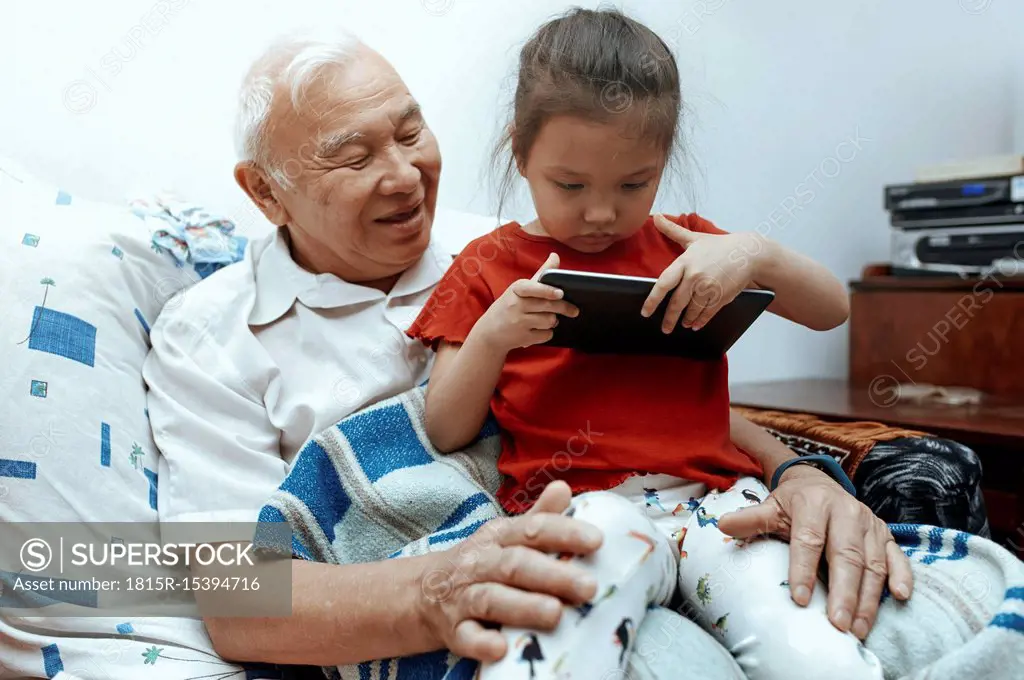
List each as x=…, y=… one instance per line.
x=373, y=488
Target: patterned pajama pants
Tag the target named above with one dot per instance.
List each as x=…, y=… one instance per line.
x=661, y=533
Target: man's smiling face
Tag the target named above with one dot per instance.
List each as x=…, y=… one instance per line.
x=363, y=169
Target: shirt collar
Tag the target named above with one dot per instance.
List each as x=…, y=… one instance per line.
x=280, y=282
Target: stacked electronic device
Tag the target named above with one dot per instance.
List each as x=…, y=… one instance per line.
x=966, y=226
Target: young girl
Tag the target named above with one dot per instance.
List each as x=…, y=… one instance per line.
x=641, y=440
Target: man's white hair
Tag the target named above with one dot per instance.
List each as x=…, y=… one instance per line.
x=293, y=62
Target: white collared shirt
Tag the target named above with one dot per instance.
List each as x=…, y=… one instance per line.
x=252, y=362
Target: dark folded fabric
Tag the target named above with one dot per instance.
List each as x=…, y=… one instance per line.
x=904, y=476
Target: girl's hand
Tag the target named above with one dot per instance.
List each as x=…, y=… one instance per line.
x=525, y=314
x=706, y=277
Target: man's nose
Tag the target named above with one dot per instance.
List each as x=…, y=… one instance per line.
x=402, y=176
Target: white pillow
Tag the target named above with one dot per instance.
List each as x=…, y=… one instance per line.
x=80, y=286
x=75, y=442
x=454, y=229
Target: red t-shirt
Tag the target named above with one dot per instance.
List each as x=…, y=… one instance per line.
x=591, y=420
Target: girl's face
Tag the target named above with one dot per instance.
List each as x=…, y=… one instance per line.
x=592, y=183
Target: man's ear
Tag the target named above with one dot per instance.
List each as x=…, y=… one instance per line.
x=261, y=189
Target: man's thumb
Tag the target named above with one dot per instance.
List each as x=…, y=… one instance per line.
x=555, y=498
x=550, y=263
x=756, y=520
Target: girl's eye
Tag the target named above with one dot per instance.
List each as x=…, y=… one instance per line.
x=635, y=186
x=569, y=187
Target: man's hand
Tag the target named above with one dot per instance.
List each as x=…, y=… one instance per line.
x=815, y=514
x=525, y=314
x=506, y=574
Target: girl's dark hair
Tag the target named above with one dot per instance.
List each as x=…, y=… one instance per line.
x=598, y=64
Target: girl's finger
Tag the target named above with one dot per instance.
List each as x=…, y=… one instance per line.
x=550, y=263
x=716, y=304
x=536, y=306
x=682, y=300
x=666, y=283
x=708, y=298
x=680, y=235
x=705, y=317
x=528, y=288
x=539, y=337
x=543, y=321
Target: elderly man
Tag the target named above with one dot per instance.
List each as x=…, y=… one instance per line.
x=261, y=357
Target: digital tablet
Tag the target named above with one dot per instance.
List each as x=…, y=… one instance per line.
x=609, y=321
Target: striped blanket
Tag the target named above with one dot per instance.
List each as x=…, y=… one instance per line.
x=373, y=488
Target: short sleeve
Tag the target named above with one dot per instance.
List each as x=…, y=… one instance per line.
x=457, y=303
x=695, y=222
x=220, y=456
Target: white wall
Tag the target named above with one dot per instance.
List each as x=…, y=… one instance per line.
x=125, y=96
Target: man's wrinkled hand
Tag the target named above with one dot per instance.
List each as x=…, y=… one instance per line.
x=507, y=574
x=818, y=518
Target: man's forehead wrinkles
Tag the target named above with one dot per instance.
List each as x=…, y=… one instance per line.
x=341, y=106
x=344, y=116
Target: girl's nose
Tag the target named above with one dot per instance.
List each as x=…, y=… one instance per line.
x=599, y=213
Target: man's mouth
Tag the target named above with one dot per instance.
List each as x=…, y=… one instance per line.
x=402, y=215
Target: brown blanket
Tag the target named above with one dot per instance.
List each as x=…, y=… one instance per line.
x=847, y=442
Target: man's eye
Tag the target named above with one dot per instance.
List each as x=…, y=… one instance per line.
x=635, y=186
x=411, y=138
x=569, y=187
x=358, y=163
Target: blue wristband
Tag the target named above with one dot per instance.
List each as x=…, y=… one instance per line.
x=828, y=465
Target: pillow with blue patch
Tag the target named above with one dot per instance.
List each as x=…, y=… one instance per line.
x=80, y=285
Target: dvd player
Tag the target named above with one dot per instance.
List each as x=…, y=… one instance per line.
x=955, y=195
x=1000, y=213
x=965, y=251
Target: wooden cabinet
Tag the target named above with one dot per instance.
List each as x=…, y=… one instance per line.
x=940, y=332
x=950, y=332
x=937, y=331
